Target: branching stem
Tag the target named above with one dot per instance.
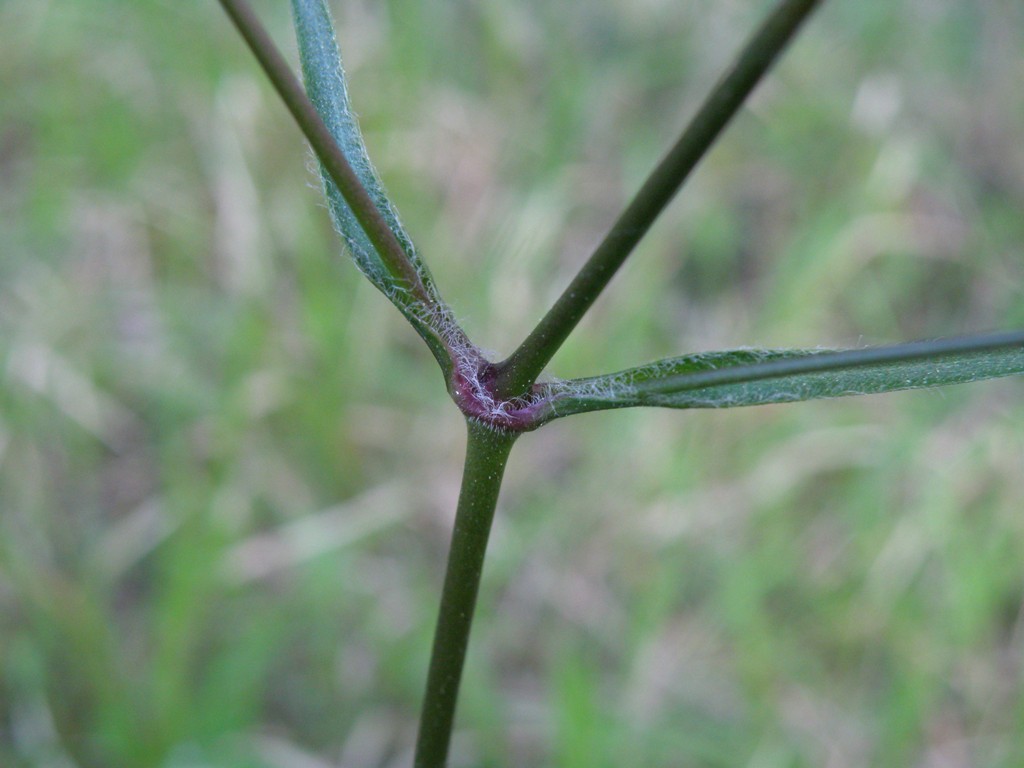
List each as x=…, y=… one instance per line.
x=515, y=375
x=487, y=452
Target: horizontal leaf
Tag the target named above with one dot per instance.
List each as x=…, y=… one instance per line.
x=757, y=377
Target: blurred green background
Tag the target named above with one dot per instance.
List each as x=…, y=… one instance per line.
x=228, y=470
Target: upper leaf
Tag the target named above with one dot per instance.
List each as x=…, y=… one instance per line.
x=325, y=84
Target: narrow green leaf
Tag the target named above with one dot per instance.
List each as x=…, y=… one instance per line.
x=325, y=84
x=394, y=261
x=758, y=376
x=420, y=302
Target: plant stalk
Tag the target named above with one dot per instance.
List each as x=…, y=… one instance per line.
x=518, y=372
x=326, y=148
x=487, y=452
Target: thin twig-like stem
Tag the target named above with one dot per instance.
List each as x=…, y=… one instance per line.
x=486, y=454
x=520, y=370
x=326, y=148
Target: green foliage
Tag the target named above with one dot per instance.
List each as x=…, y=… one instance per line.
x=761, y=377
x=500, y=400
x=325, y=83
x=196, y=396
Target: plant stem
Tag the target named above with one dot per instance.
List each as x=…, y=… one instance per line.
x=327, y=150
x=486, y=454
x=515, y=375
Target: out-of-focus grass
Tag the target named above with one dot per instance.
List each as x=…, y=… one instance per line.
x=227, y=471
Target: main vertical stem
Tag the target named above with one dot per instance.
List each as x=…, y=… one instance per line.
x=486, y=455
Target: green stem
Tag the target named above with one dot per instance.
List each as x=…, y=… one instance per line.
x=486, y=454
x=515, y=375
x=308, y=119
